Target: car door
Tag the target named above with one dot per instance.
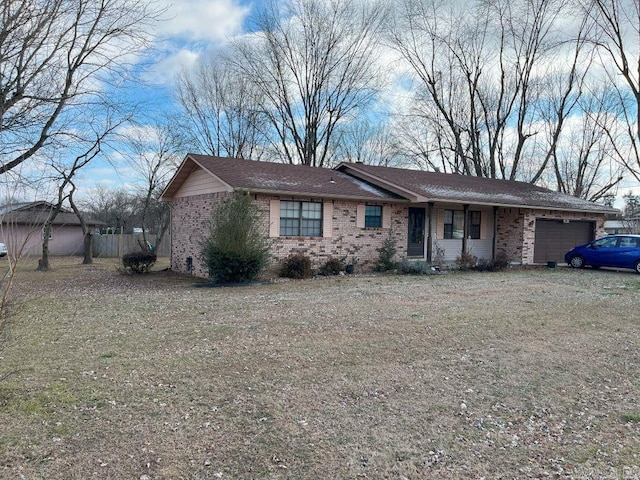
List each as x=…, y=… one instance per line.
x=627, y=252
x=602, y=252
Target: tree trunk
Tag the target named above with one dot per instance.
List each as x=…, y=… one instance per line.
x=43, y=263
x=88, y=249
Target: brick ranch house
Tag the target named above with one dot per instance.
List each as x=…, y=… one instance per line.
x=347, y=212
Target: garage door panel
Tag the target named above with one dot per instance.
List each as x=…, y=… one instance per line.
x=554, y=238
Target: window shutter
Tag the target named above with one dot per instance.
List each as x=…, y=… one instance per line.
x=440, y=224
x=360, y=213
x=386, y=216
x=327, y=220
x=483, y=226
x=274, y=218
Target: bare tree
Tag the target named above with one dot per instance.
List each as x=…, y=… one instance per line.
x=477, y=69
x=86, y=231
x=583, y=161
x=154, y=155
x=367, y=142
x=315, y=65
x=618, y=40
x=221, y=110
x=54, y=54
x=66, y=171
x=115, y=207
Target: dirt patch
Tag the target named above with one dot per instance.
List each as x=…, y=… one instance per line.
x=521, y=374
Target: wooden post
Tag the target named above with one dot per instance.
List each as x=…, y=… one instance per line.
x=429, y=234
x=465, y=228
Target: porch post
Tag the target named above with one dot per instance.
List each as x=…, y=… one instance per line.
x=495, y=233
x=429, y=234
x=465, y=227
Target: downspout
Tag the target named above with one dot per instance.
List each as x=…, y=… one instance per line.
x=429, y=234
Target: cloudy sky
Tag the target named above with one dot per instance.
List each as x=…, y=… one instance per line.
x=191, y=28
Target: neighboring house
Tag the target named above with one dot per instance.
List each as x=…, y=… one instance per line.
x=349, y=211
x=622, y=225
x=22, y=228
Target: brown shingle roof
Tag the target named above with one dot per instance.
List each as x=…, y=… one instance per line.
x=421, y=186
x=280, y=178
x=36, y=213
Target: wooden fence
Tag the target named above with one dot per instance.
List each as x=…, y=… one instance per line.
x=116, y=245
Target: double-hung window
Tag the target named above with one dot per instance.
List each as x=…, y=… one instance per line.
x=474, y=224
x=454, y=224
x=373, y=216
x=300, y=219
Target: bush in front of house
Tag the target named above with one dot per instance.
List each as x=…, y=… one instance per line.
x=466, y=261
x=418, y=267
x=138, y=262
x=496, y=265
x=296, y=266
x=386, y=255
x=333, y=266
x=236, y=250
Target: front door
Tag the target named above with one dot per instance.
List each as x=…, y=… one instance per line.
x=415, y=246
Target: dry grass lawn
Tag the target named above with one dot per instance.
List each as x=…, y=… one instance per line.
x=521, y=374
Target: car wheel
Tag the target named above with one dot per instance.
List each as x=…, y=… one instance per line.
x=577, y=261
x=638, y=266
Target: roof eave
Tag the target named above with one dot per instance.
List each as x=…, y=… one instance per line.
x=604, y=210
x=334, y=196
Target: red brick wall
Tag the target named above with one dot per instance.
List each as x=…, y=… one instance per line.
x=191, y=217
x=190, y=225
x=517, y=227
x=190, y=221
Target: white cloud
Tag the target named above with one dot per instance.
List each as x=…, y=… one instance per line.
x=209, y=20
x=166, y=68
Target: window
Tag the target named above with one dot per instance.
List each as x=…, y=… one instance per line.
x=373, y=216
x=300, y=219
x=606, y=242
x=474, y=224
x=453, y=224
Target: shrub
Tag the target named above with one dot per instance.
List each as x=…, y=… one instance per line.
x=387, y=252
x=466, y=261
x=333, y=266
x=500, y=262
x=297, y=266
x=406, y=267
x=138, y=262
x=496, y=265
x=236, y=250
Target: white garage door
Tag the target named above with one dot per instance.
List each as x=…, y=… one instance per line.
x=554, y=238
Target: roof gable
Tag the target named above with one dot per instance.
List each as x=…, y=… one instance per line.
x=277, y=178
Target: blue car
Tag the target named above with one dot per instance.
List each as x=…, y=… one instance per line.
x=621, y=251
